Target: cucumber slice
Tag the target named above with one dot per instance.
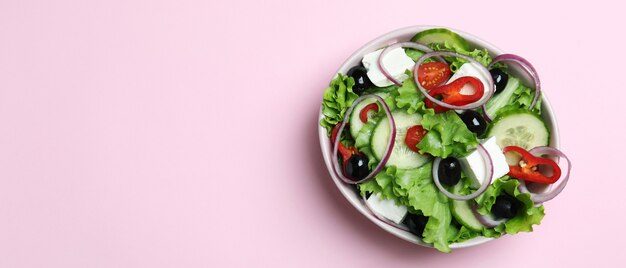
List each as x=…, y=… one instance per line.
x=363, y=138
x=355, y=122
x=519, y=128
x=441, y=35
x=402, y=157
x=462, y=211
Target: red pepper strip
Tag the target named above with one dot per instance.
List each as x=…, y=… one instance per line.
x=366, y=109
x=452, y=93
x=528, y=168
x=343, y=150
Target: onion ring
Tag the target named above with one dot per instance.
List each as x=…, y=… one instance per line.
x=483, y=187
x=392, y=139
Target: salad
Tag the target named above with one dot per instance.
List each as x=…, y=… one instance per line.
x=443, y=140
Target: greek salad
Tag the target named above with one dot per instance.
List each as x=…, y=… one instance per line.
x=443, y=140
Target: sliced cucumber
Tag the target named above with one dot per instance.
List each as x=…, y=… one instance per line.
x=519, y=128
x=363, y=138
x=355, y=122
x=402, y=157
x=463, y=213
x=441, y=35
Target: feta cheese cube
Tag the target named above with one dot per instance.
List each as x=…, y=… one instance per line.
x=396, y=62
x=387, y=208
x=469, y=69
x=473, y=165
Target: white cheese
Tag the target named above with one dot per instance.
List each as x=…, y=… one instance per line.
x=396, y=63
x=474, y=165
x=387, y=208
x=469, y=69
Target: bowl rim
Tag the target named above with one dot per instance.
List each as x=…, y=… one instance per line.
x=386, y=39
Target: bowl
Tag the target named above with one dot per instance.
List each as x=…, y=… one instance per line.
x=405, y=34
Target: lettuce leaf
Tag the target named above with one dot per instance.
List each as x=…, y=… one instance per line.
x=523, y=97
x=408, y=97
x=464, y=234
x=481, y=56
x=527, y=215
x=338, y=97
x=447, y=135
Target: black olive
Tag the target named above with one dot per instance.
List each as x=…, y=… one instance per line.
x=361, y=81
x=505, y=207
x=474, y=121
x=356, y=167
x=500, y=78
x=449, y=171
x=416, y=223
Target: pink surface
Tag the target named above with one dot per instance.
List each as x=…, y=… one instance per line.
x=184, y=133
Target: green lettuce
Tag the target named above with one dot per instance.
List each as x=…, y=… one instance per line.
x=523, y=98
x=408, y=97
x=481, y=56
x=464, y=234
x=447, y=135
x=338, y=97
x=527, y=215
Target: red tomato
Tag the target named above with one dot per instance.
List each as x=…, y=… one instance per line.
x=414, y=135
x=433, y=74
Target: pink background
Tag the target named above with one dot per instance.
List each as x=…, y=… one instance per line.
x=184, y=133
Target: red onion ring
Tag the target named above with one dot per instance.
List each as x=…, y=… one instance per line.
x=483, y=187
x=528, y=68
x=412, y=45
x=554, y=191
x=483, y=100
x=392, y=139
x=485, y=115
x=383, y=219
x=488, y=220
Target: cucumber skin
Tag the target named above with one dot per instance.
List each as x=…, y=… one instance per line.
x=453, y=38
x=460, y=208
x=503, y=115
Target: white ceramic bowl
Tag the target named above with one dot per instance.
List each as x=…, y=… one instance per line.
x=405, y=34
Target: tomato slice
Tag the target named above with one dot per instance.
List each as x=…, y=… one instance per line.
x=433, y=74
x=451, y=93
x=414, y=135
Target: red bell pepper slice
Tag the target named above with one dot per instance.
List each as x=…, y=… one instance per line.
x=451, y=93
x=366, y=109
x=528, y=168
